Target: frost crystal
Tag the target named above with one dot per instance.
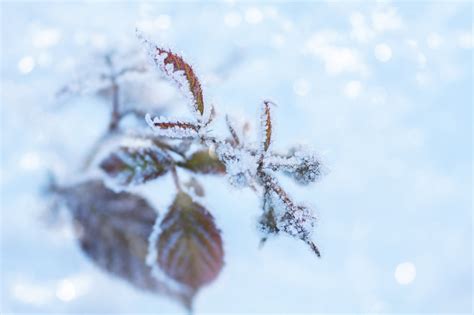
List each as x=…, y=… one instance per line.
x=240, y=165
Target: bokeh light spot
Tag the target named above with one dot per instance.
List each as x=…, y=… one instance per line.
x=66, y=291
x=383, y=52
x=405, y=273
x=26, y=64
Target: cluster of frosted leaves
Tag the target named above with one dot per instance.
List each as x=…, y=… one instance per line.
x=113, y=230
x=135, y=164
x=240, y=165
x=189, y=248
x=144, y=161
x=244, y=165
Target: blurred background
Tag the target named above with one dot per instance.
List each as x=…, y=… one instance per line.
x=381, y=89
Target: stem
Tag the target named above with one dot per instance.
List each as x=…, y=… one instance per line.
x=115, y=116
x=174, y=172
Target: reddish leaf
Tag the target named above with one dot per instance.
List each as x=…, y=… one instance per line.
x=178, y=64
x=190, y=245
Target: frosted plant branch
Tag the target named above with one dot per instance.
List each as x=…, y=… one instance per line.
x=184, y=249
x=245, y=166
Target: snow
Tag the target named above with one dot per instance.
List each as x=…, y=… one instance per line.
x=400, y=186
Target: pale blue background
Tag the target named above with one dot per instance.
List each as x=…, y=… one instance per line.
x=397, y=143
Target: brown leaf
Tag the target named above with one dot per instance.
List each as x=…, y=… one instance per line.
x=190, y=245
x=113, y=230
x=135, y=165
x=204, y=163
x=266, y=125
x=175, y=124
x=180, y=65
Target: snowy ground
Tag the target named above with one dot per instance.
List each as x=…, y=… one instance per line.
x=382, y=90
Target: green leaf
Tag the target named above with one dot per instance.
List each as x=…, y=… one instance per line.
x=204, y=163
x=129, y=165
x=190, y=245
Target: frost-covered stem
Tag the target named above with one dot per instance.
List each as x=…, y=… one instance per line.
x=174, y=172
x=115, y=116
x=270, y=183
x=176, y=181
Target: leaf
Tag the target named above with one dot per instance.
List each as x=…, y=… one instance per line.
x=303, y=167
x=268, y=220
x=268, y=223
x=172, y=129
x=298, y=221
x=135, y=165
x=190, y=245
x=113, y=230
x=281, y=214
x=266, y=125
x=204, y=163
x=181, y=73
